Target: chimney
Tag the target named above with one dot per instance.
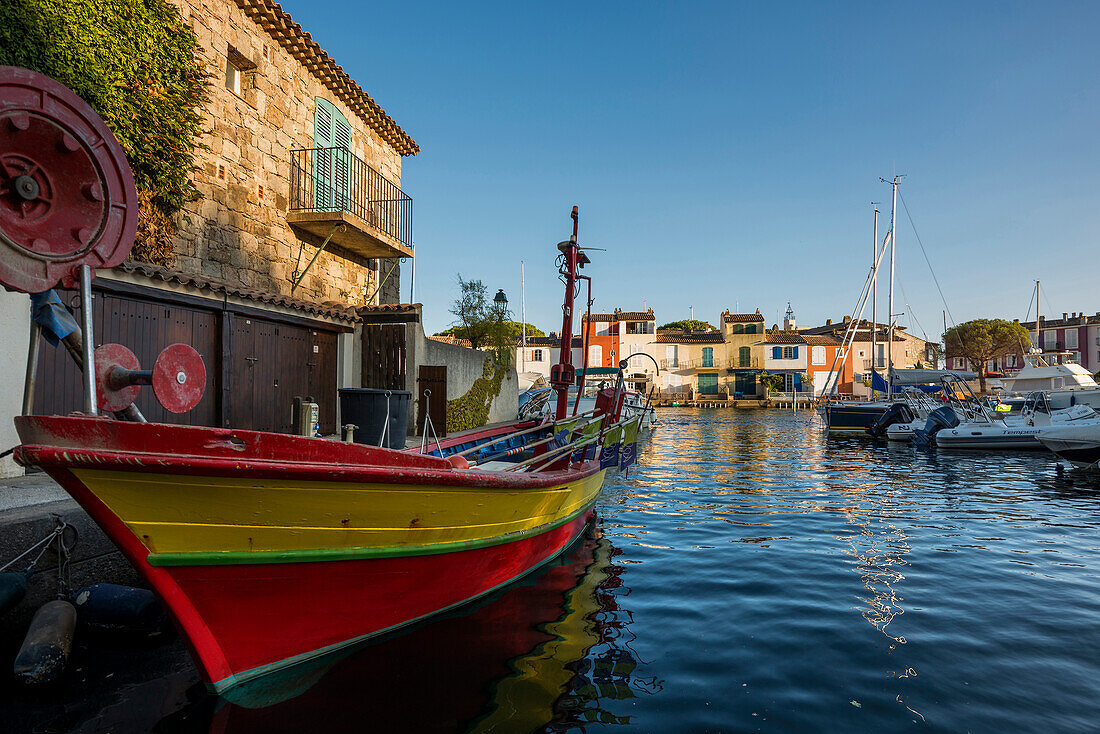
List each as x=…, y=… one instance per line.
x=1065, y=316
x=847, y=319
x=829, y=322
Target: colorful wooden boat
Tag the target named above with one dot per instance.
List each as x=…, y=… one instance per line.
x=270, y=549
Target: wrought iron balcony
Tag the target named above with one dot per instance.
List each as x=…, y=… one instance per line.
x=336, y=196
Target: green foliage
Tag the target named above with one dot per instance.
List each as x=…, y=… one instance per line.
x=472, y=409
x=685, y=324
x=981, y=340
x=134, y=62
x=513, y=329
x=771, y=383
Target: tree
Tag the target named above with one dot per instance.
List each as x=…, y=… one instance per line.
x=981, y=340
x=512, y=328
x=688, y=324
x=481, y=320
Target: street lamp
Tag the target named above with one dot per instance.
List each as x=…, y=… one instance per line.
x=501, y=299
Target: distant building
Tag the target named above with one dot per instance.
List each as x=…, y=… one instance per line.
x=908, y=351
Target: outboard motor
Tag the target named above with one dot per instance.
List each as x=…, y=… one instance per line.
x=896, y=413
x=938, y=419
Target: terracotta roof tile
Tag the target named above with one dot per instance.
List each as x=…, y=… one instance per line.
x=331, y=309
x=784, y=337
x=741, y=318
x=271, y=17
x=685, y=337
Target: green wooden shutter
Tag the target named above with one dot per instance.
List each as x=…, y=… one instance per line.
x=332, y=138
x=744, y=356
x=708, y=356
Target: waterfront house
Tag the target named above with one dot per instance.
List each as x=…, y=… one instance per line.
x=744, y=358
x=691, y=361
x=283, y=272
x=909, y=350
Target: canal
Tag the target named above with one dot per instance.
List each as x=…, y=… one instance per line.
x=748, y=574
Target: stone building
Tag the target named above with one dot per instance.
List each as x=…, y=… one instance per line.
x=296, y=153
x=287, y=257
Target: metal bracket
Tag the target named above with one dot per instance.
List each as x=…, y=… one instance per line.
x=296, y=278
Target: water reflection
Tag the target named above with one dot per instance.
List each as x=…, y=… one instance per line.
x=544, y=654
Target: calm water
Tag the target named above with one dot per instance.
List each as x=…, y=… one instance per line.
x=750, y=575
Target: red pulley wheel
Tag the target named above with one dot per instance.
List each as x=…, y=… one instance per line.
x=67, y=195
x=107, y=358
x=179, y=378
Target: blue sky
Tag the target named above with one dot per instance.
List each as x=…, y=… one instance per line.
x=727, y=153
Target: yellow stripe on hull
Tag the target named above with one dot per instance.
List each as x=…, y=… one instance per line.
x=202, y=514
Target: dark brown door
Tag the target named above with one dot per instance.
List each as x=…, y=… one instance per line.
x=432, y=378
x=145, y=327
x=321, y=359
x=384, y=356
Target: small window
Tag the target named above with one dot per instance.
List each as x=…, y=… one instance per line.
x=862, y=353
x=260, y=192
x=266, y=52
x=232, y=78
x=221, y=171
x=536, y=355
x=788, y=352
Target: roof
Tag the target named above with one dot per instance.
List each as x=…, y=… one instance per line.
x=280, y=26
x=785, y=337
x=330, y=309
x=824, y=341
x=741, y=318
x=842, y=325
x=551, y=341
x=598, y=317
x=689, y=337
x=1076, y=320
x=451, y=339
x=634, y=315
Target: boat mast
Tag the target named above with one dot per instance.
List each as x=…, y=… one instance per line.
x=523, y=315
x=874, y=299
x=563, y=373
x=1038, y=339
x=890, y=314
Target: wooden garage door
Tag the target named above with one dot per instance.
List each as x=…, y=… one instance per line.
x=274, y=362
x=145, y=327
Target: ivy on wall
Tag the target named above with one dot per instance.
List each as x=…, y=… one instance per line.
x=472, y=409
x=134, y=62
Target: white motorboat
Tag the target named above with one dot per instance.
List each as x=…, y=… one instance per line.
x=1065, y=381
x=980, y=427
x=1077, y=442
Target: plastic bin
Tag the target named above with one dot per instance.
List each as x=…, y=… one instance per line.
x=366, y=408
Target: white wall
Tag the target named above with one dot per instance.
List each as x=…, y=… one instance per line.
x=15, y=324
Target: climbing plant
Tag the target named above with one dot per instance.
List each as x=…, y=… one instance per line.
x=134, y=62
x=472, y=409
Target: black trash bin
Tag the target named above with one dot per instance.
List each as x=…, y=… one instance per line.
x=366, y=408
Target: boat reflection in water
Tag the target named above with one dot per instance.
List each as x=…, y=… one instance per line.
x=541, y=654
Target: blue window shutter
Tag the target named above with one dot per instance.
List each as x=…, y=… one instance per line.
x=795, y=353
x=777, y=352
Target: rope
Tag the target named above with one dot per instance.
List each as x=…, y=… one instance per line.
x=57, y=532
x=926, y=260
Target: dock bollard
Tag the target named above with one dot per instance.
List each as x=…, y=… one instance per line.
x=46, y=647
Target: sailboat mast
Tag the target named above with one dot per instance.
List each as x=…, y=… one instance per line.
x=523, y=314
x=890, y=314
x=1038, y=339
x=874, y=299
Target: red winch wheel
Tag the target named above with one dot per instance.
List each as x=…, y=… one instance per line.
x=67, y=195
x=109, y=393
x=179, y=378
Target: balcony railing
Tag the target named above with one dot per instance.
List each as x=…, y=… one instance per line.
x=689, y=364
x=334, y=180
x=744, y=363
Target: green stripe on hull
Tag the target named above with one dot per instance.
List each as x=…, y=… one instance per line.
x=220, y=687
x=215, y=558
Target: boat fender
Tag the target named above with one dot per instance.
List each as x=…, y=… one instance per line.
x=46, y=647
x=896, y=413
x=13, y=587
x=458, y=462
x=113, y=606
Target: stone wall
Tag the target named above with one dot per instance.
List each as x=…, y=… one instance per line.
x=237, y=230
